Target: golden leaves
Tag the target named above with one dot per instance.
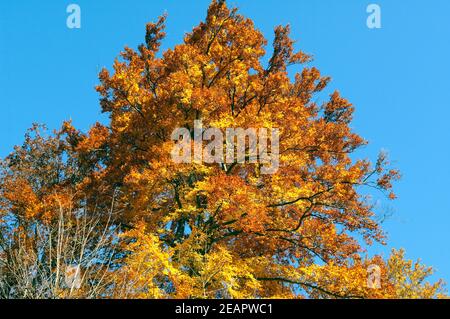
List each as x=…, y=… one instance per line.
x=202, y=210
x=197, y=230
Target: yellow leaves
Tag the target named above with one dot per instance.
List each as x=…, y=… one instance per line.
x=219, y=230
x=398, y=278
x=225, y=121
x=147, y=262
x=223, y=274
x=149, y=265
x=185, y=96
x=410, y=279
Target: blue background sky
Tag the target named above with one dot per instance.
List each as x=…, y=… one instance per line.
x=397, y=77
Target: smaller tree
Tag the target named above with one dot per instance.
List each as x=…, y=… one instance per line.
x=411, y=279
x=47, y=226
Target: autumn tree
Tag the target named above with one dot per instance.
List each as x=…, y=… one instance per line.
x=48, y=223
x=219, y=230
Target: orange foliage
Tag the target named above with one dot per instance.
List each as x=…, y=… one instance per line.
x=208, y=230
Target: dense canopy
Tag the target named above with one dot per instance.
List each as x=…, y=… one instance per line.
x=160, y=229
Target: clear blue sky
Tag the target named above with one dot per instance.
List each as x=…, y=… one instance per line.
x=398, y=77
